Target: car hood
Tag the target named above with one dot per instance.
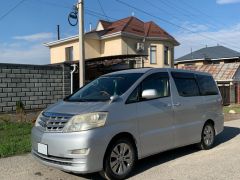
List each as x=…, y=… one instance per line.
x=73, y=108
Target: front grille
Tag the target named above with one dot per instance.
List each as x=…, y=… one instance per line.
x=54, y=121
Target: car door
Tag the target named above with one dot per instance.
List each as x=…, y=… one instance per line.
x=188, y=108
x=155, y=116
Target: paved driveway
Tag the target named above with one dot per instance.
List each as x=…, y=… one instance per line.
x=221, y=162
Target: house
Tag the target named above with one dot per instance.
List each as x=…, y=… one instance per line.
x=121, y=44
x=208, y=55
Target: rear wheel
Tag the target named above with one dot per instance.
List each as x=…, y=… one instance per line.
x=208, y=137
x=120, y=159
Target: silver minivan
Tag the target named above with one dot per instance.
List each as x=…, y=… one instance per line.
x=121, y=117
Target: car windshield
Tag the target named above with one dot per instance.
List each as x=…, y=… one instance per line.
x=102, y=88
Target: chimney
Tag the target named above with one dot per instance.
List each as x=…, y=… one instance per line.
x=58, y=32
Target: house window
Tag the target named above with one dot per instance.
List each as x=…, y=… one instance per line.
x=69, y=53
x=166, y=49
x=153, y=55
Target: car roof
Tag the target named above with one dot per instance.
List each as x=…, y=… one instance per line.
x=145, y=70
x=137, y=70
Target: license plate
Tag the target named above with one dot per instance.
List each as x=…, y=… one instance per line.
x=42, y=148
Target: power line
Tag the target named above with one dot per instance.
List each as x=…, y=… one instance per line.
x=184, y=11
x=100, y=4
x=208, y=19
x=171, y=23
x=11, y=10
x=55, y=4
x=202, y=12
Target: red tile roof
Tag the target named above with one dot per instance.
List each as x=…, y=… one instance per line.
x=220, y=72
x=135, y=26
x=105, y=24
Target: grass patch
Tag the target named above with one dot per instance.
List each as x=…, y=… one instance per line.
x=236, y=108
x=14, y=138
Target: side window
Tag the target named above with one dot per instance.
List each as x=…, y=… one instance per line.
x=207, y=85
x=186, y=84
x=159, y=82
x=134, y=97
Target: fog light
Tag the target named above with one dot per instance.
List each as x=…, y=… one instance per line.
x=80, y=151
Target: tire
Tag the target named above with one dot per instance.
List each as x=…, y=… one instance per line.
x=120, y=159
x=207, y=137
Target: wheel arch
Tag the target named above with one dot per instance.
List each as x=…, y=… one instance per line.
x=127, y=135
x=211, y=122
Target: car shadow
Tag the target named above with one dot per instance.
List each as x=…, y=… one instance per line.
x=155, y=160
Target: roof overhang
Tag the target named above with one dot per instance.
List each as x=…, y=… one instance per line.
x=64, y=40
x=93, y=35
x=195, y=60
x=105, y=58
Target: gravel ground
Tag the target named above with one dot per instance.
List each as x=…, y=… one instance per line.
x=221, y=162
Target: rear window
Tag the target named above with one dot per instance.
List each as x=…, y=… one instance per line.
x=207, y=85
x=186, y=84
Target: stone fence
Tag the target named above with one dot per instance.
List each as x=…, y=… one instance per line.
x=36, y=86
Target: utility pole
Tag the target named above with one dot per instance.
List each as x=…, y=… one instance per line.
x=81, y=43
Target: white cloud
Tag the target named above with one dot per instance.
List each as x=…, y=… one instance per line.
x=35, y=37
x=194, y=27
x=228, y=37
x=36, y=54
x=227, y=1
x=27, y=49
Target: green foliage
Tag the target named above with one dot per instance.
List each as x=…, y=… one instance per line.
x=14, y=138
x=19, y=107
x=236, y=108
x=20, y=110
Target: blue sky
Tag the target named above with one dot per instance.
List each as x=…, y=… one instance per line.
x=33, y=22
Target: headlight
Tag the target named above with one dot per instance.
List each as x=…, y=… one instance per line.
x=85, y=122
x=38, y=119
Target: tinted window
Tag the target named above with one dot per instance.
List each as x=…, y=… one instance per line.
x=207, y=85
x=187, y=87
x=159, y=82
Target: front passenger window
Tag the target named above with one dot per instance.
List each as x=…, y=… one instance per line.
x=158, y=82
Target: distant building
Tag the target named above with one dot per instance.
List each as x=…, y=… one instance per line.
x=224, y=65
x=138, y=43
x=208, y=55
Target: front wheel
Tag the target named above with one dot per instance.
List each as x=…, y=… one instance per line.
x=120, y=159
x=208, y=137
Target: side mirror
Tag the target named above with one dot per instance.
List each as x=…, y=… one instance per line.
x=113, y=98
x=149, y=94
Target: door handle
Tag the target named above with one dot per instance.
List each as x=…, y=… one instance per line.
x=169, y=105
x=177, y=104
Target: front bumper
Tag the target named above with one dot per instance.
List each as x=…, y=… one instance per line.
x=60, y=146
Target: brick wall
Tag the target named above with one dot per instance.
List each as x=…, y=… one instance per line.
x=36, y=86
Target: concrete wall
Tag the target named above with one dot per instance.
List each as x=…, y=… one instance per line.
x=36, y=86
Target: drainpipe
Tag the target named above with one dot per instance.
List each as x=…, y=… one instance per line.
x=63, y=80
x=74, y=69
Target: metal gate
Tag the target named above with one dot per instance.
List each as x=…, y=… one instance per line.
x=225, y=92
